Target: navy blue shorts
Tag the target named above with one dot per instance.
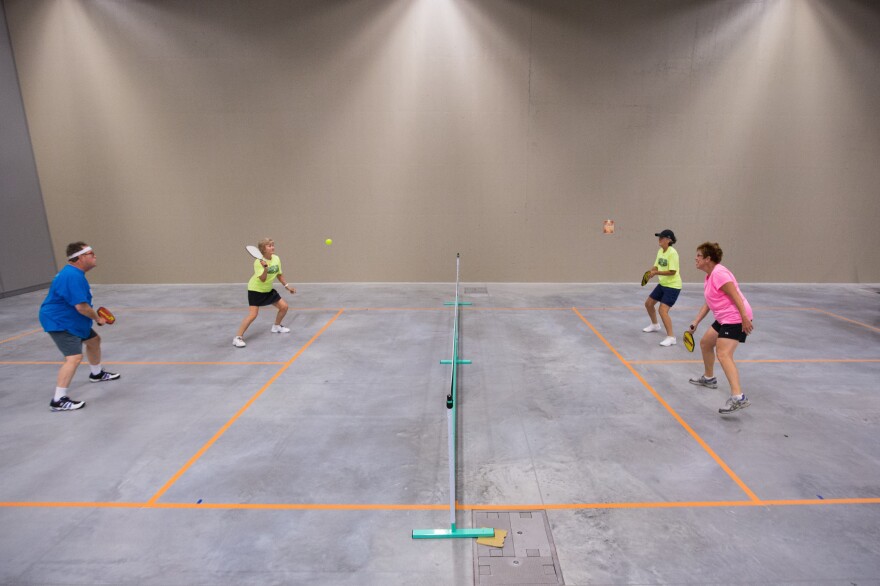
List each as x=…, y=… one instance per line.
x=69, y=344
x=730, y=331
x=665, y=295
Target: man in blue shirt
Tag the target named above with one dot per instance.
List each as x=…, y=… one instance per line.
x=67, y=315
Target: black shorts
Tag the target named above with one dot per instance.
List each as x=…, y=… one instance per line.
x=730, y=331
x=258, y=299
x=69, y=344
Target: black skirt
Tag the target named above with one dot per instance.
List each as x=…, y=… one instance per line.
x=258, y=299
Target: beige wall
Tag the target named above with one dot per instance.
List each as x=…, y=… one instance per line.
x=169, y=134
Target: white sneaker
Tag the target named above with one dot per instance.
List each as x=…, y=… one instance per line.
x=238, y=342
x=279, y=329
x=669, y=341
x=652, y=328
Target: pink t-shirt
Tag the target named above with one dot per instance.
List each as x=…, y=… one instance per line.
x=722, y=306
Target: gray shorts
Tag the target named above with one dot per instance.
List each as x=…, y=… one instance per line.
x=69, y=344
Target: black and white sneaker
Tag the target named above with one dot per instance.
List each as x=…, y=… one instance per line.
x=66, y=404
x=102, y=376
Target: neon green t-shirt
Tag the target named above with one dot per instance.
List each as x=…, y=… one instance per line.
x=668, y=261
x=272, y=272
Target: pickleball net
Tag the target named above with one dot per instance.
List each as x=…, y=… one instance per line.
x=452, y=425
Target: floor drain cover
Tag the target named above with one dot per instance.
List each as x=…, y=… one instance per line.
x=528, y=555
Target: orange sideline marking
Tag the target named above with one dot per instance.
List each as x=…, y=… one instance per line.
x=238, y=414
x=846, y=319
x=20, y=336
x=678, y=418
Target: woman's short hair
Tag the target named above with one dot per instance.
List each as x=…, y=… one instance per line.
x=711, y=250
x=262, y=244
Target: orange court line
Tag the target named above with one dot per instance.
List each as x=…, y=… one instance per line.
x=20, y=336
x=308, y=506
x=239, y=413
x=471, y=308
x=279, y=362
x=210, y=309
x=398, y=308
x=672, y=411
x=641, y=308
x=149, y=363
x=846, y=319
x=586, y=308
x=767, y=360
x=438, y=308
x=439, y=507
x=676, y=504
x=451, y=307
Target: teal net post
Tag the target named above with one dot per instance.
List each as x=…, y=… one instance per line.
x=451, y=411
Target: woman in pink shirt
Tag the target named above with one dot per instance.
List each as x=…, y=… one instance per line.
x=733, y=322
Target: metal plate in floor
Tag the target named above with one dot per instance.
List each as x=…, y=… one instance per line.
x=528, y=555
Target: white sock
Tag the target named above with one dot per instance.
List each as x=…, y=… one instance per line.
x=739, y=397
x=96, y=368
x=60, y=392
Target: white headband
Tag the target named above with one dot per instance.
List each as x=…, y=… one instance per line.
x=81, y=252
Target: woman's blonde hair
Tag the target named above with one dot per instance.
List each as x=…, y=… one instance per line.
x=263, y=243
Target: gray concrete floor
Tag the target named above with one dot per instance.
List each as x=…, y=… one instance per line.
x=309, y=457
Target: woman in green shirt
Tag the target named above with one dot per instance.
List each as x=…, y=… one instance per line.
x=261, y=292
x=666, y=266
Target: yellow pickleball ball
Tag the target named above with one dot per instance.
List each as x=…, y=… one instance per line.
x=328, y=242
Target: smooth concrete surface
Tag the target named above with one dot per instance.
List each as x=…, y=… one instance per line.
x=309, y=457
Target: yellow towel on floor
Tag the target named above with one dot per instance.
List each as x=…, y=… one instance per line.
x=497, y=541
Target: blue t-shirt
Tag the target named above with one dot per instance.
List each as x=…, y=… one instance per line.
x=58, y=312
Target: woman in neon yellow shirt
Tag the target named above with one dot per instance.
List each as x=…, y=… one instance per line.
x=666, y=265
x=262, y=293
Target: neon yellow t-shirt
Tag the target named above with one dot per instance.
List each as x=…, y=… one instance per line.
x=668, y=261
x=272, y=271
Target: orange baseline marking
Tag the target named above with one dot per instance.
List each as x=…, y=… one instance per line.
x=676, y=504
x=436, y=507
x=765, y=360
x=463, y=308
x=210, y=309
x=152, y=363
x=239, y=413
x=672, y=411
x=307, y=506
